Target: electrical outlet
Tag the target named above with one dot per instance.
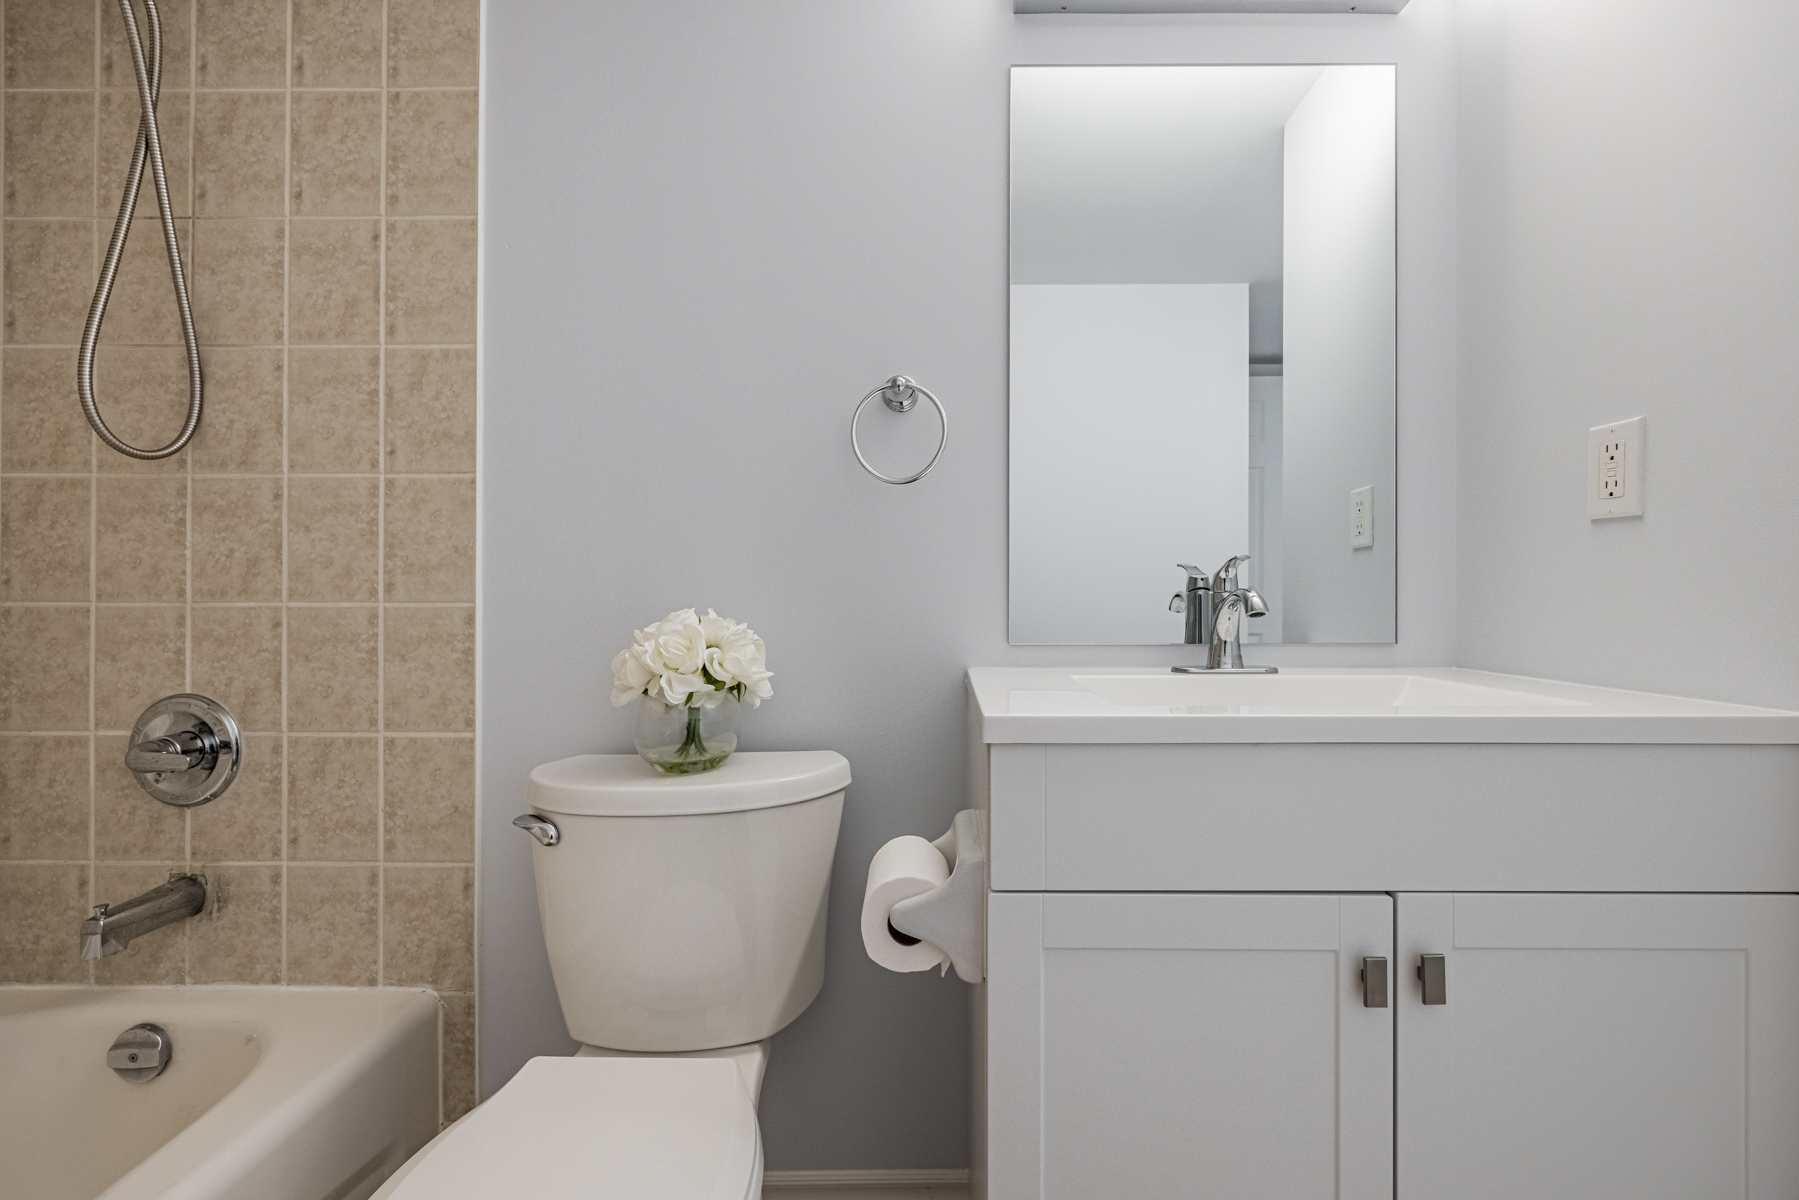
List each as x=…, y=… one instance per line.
x=1615, y=469
x=1361, y=518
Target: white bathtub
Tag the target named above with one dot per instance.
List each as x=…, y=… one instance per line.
x=271, y=1093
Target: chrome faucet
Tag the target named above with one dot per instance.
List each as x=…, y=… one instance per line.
x=1215, y=611
x=111, y=929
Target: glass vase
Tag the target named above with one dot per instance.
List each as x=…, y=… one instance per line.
x=685, y=741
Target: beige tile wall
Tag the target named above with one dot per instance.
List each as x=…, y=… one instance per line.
x=309, y=559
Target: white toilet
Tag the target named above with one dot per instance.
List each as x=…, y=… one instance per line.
x=685, y=921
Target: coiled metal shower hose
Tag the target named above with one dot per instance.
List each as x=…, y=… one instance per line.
x=149, y=147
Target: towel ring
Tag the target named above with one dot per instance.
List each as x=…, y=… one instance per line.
x=901, y=395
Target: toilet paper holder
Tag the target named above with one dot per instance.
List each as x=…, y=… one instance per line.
x=952, y=915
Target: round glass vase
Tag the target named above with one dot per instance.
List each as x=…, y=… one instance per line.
x=685, y=741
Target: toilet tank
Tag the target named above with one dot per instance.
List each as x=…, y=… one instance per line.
x=686, y=912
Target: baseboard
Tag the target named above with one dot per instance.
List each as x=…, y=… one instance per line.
x=946, y=1177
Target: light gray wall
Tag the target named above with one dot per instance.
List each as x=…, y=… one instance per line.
x=1630, y=245
x=1337, y=384
x=711, y=227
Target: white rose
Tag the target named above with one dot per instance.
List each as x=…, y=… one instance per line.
x=677, y=644
x=631, y=673
x=739, y=658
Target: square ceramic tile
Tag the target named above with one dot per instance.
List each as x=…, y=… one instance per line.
x=430, y=411
x=428, y=927
x=44, y=549
x=237, y=538
x=140, y=547
x=334, y=410
x=333, y=925
x=42, y=431
x=49, y=281
x=140, y=656
x=430, y=660
x=241, y=43
x=431, y=139
x=44, y=904
x=241, y=431
x=237, y=937
x=334, y=538
x=44, y=796
x=236, y=659
x=334, y=283
x=336, y=164
x=433, y=43
x=430, y=799
x=333, y=799
x=239, y=281
x=431, y=282
x=240, y=154
x=337, y=43
x=44, y=667
x=333, y=669
x=429, y=535
x=49, y=44
x=49, y=154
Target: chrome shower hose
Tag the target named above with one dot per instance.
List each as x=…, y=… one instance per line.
x=148, y=69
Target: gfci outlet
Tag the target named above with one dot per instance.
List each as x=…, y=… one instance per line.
x=1615, y=469
x=1361, y=517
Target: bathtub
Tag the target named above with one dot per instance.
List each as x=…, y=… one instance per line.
x=271, y=1093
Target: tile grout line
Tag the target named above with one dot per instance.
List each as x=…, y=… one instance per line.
x=287, y=251
x=93, y=720
x=381, y=555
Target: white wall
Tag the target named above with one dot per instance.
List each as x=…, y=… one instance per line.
x=1129, y=453
x=1630, y=244
x=711, y=227
x=1338, y=334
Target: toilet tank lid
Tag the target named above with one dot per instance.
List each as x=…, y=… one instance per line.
x=623, y=785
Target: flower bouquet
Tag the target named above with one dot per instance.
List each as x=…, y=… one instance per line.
x=689, y=674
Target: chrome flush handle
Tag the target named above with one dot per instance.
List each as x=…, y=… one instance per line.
x=544, y=831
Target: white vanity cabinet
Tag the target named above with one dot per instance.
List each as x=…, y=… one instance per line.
x=1188, y=1045
x=1178, y=927
x=1599, y=1046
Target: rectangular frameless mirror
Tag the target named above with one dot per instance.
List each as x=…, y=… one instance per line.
x=1202, y=348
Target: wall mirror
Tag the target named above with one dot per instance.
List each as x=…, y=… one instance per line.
x=1202, y=348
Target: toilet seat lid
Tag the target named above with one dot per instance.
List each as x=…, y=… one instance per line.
x=599, y=1129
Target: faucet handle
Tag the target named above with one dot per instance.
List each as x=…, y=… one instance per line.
x=1193, y=572
x=1226, y=579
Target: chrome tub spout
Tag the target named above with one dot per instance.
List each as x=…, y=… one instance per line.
x=112, y=927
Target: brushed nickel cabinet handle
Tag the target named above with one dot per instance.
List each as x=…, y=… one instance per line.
x=1374, y=983
x=1433, y=974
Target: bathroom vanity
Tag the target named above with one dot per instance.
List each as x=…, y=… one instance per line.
x=1438, y=934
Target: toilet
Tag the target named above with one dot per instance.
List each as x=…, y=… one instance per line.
x=685, y=919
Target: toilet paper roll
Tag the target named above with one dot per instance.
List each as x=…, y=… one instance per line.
x=903, y=868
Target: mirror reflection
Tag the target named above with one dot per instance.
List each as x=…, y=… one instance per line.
x=1202, y=350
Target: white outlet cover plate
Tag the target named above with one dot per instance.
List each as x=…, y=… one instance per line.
x=1361, y=517
x=1614, y=488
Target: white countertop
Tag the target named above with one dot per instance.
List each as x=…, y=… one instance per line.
x=1038, y=704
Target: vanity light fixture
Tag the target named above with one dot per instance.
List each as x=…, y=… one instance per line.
x=1387, y=7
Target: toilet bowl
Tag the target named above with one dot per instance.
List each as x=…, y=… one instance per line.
x=684, y=918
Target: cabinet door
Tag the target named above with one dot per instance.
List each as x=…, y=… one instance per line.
x=1185, y=1046
x=1590, y=1047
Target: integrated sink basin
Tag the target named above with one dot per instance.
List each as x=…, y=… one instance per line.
x=1407, y=705
x=1311, y=692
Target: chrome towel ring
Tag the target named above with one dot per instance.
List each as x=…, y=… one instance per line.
x=900, y=394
